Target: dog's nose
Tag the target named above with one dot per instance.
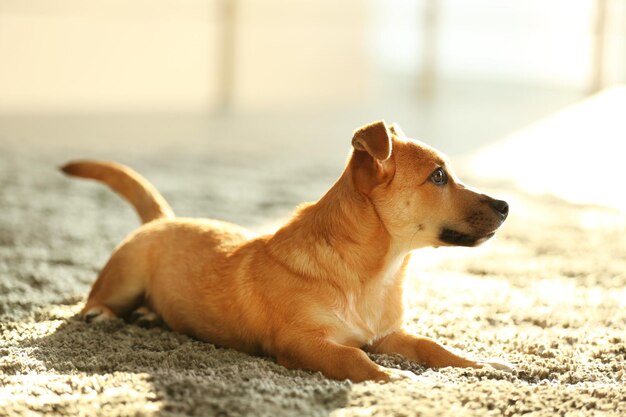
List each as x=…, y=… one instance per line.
x=500, y=206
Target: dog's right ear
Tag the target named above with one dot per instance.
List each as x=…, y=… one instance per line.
x=375, y=139
x=395, y=129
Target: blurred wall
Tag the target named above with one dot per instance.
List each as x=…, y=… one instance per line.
x=539, y=42
x=309, y=52
x=167, y=55
x=171, y=55
x=113, y=55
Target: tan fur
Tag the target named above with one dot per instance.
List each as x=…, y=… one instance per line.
x=323, y=288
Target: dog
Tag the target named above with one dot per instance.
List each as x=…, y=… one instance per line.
x=321, y=291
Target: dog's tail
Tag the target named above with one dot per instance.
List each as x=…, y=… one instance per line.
x=148, y=202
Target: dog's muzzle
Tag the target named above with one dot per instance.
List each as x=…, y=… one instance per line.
x=458, y=238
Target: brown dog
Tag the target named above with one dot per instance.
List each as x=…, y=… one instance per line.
x=323, y=288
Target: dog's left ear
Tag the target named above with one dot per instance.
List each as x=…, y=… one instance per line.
x=371, y=162
x=375, y=139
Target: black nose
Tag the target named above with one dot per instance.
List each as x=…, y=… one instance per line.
x=500, y=206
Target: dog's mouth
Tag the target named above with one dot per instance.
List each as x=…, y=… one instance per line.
x=456, y=238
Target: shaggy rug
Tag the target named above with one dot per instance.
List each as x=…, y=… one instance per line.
x=548, y=294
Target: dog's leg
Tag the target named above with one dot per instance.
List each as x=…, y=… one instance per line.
x=337, y=362
x=144, y=316
x=427, y=352
x=97, y=312
x=115, y=293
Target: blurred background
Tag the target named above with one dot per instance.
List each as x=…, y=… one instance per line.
x=285, y=82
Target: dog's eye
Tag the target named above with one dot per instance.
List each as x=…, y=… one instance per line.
x=439, y=177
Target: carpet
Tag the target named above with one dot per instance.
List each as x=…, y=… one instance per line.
x=548, y=294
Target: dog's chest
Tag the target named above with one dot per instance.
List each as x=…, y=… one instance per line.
x=364, y=321
x=371, y=313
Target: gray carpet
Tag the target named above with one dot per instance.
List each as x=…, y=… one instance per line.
x=548, y=294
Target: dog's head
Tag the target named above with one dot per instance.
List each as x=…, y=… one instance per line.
x=416, y=195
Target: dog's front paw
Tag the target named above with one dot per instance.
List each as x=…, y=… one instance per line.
x=399, y=375
x=97, y=313
x=144, y=317
x=499, y=365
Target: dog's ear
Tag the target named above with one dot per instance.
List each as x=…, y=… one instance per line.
x=371, y=160
x=395, y=129
x=375, y=139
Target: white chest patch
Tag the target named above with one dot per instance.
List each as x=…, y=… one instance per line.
x=366, y=316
